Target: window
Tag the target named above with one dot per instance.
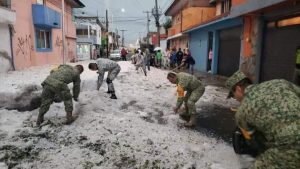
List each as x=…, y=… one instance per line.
x=43, y=40
x=5, y=3
x=226, y=6
x=40, y=2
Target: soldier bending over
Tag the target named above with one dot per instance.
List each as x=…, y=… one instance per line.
x=56, y=84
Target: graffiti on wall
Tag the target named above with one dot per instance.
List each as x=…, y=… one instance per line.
x=58, y=42
x=24, y=46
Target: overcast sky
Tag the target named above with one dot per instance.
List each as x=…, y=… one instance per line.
x=126, y=15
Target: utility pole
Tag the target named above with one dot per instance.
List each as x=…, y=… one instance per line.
x=156, y=13
x=117, y=38
x=123, y=36
x=107, y=41
x=148, y=23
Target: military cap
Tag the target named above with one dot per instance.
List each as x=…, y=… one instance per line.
x=233, y=80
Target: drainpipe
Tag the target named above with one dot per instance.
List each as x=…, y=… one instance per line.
x=63, y=30
x=11, y=46
x=258, y=48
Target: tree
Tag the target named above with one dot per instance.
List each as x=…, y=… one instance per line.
x=167, y=24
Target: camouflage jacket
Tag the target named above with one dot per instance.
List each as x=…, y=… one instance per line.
x=63, y=75
x=189, y=83
x=105, y=65
x=273, y=109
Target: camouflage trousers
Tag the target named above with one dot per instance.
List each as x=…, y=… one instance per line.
x=50, y=93
x=190, y=100
x=278, y=158
x=143, y=66
x=111, y=76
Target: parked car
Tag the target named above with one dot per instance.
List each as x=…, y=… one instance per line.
x=115, y=55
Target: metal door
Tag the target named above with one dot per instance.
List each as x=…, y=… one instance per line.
x=229, y=51
x=279, y=53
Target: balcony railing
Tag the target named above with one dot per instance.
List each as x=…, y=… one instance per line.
x=175, y=29
x=85, y=39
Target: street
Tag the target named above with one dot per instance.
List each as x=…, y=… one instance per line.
x=138, y=130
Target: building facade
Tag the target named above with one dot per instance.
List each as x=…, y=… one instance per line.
x=186, y=14
x=37, y=37
x=88, y=32
x=221, y=37
x=270, y=43
x=255, y=36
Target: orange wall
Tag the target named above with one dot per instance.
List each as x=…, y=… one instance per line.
x=189, y=18
x=174, y=30
x=24, y=47
x=196, y=15
x=248, y=30
x=238, y=2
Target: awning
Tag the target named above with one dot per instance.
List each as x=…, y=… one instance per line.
x=208, y=24
x=175, y=36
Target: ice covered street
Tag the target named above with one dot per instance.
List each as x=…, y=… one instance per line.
x=138, y=130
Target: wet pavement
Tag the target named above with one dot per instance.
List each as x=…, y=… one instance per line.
x=214, y=119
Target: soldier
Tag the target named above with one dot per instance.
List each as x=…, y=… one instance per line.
x=270, y=110
x=194, y=90
x=140, y=62
x=113, y=68
x=56, y=84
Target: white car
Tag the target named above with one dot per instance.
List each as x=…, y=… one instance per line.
x=115, y=55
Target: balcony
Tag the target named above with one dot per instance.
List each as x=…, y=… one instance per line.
x=174, y=30
x=85, y=39
x=7, y=16
x=45, y=17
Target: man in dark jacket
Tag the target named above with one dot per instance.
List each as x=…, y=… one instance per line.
x=179, y=56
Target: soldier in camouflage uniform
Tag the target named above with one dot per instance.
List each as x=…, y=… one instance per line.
x=194, y=90
x=272, y=109
x=106, y=65
x=56, y=84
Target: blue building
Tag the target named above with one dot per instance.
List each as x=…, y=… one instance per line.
x=223, y=37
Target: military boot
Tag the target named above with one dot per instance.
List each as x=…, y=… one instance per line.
x=184, y=116
x=113, y=96
x=39, y=120
x=192, y=121
x=70, y=118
